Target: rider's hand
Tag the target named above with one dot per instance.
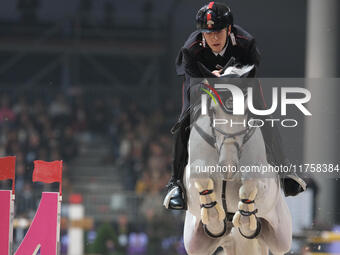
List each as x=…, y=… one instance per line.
x=217, y=72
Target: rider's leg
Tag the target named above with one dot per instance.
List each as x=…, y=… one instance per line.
x=176, y=198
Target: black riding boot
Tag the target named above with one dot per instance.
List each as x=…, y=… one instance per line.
x=176, y=197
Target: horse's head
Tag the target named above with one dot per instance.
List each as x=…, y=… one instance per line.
x=229, y=113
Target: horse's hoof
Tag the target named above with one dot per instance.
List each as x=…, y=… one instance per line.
x=236, y=219
x=256, y=231
x=204, y=216
x=248, y=208
x=217, y=235
x=252, y=223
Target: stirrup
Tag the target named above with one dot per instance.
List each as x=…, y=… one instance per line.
x=299, y=180
x=167, y=198
x=177, y=186
x=302, y=186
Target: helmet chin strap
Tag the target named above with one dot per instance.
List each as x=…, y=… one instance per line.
x=232, y=36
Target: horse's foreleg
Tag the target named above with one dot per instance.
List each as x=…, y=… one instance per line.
x=245, y=218
x=212, y=213
x=271, y=224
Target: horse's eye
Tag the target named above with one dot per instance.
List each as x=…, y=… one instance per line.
x=229, y=103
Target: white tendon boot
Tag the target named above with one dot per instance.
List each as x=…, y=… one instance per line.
x=246, y=208
x=209, y=203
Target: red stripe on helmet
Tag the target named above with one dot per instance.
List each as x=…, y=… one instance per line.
x=208, y=17
x=211, y=4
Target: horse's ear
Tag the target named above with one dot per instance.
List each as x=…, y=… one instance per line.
x=205, y=71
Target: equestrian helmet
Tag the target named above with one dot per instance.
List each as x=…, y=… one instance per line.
x=214, y=17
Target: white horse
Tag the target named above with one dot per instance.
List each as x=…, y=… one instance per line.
x=243, y=213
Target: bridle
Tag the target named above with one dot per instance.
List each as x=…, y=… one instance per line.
x=212, y=139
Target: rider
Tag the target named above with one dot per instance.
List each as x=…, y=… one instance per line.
x=216, y=40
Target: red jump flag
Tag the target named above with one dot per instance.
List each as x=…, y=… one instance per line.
x=48, y=172
x=7, y=168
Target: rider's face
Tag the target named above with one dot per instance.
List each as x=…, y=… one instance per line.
x=216, y=40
